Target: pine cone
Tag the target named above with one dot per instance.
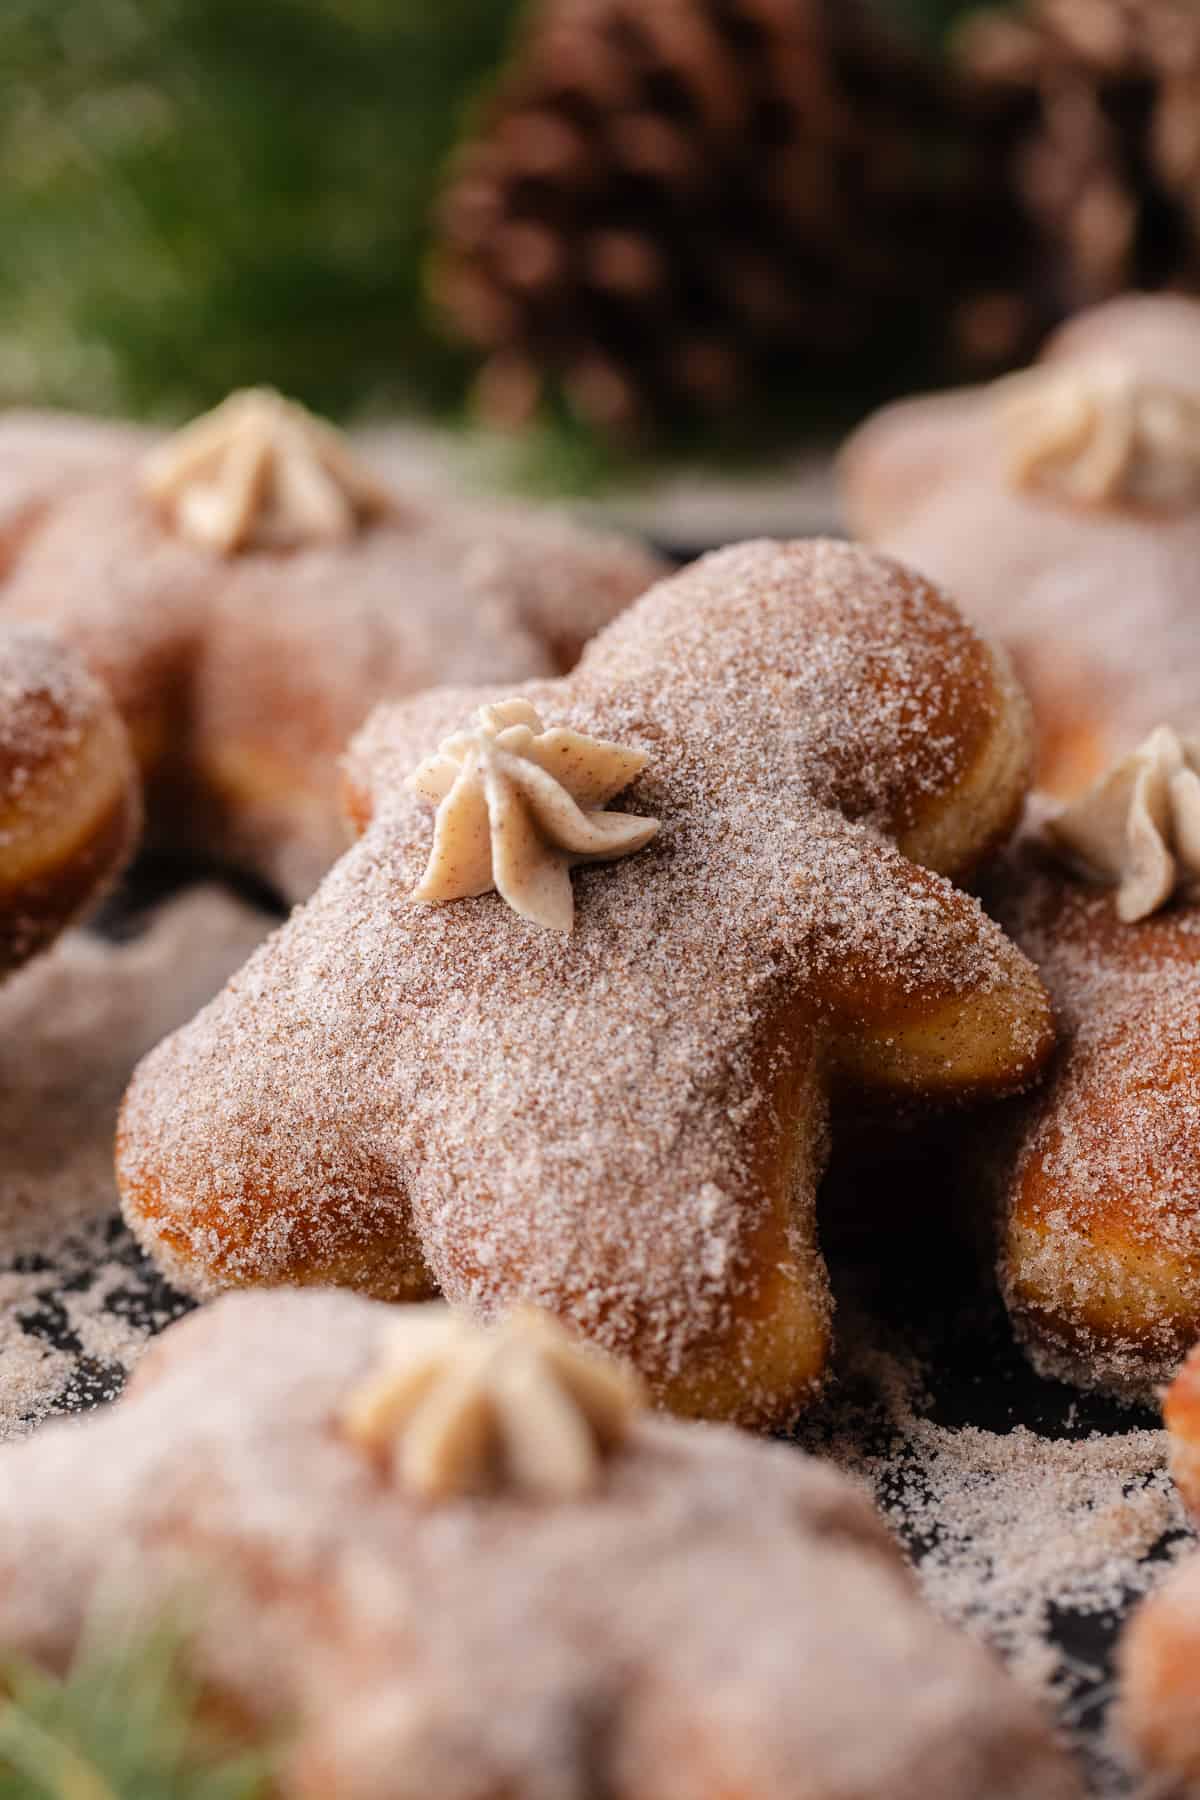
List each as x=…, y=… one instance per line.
x=678, y=209
x=1102, y=105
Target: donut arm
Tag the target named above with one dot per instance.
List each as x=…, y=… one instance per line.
x=967, y=1019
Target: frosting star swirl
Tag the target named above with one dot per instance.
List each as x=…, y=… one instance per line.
x=460, y=1408
x=518, y=807
x=1098, y=433
x=261, y=472
x=1139, y=826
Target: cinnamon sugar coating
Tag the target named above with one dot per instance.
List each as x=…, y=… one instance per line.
x=716, y=1616
x=1098, y=1173
x=44, y=456
x=1098, y=598
x=69, y=804
x=242, y=676
x=627, y=1126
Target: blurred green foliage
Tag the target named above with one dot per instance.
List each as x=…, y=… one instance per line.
x=199, y=194
x=196, y=194
x=928, y=21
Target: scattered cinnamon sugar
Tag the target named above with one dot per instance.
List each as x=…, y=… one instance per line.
x=76, y=1303
x=1036, y=1544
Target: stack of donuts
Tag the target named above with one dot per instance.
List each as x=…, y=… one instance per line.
x=619, y=895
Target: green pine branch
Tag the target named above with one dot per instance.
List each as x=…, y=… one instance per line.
x=196, y=195
x=124, y=1723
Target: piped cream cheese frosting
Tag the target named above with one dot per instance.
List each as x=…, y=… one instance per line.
x=518, y=1407
x=1099, y=433
x=518, y=806
x=261, y=472
x=1138, y=827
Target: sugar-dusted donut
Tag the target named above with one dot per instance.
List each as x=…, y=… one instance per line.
x=44, y=455
x=626, y=1123
x=249, y=589
x=1062, y=509
x=1159, y=1696
x=443, y=1564
x=1160, y=1650
x=69, y=807
x=1098, y=1172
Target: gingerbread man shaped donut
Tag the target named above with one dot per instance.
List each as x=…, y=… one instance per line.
x=1098, y=1173
x=1061, y=507
x=1159, y=1651
x=440, y=1562
x=624, y=1122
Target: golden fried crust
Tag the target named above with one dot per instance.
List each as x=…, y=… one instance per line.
x=1160, y=1650
x=69, y=808
x=242, y=678
x=626, y=1125
x=1099, y=605
x=714, y=1617
x=1181, y=1414
x=1098, y=1173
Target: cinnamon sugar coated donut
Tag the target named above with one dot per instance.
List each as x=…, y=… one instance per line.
x=247, y=607
x=626, y=1124
x=69, y=807
x=1062, y=510
x=1160, y=1648
x=1097, y=1172
x=706, y=1616
x=1181, y=1414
